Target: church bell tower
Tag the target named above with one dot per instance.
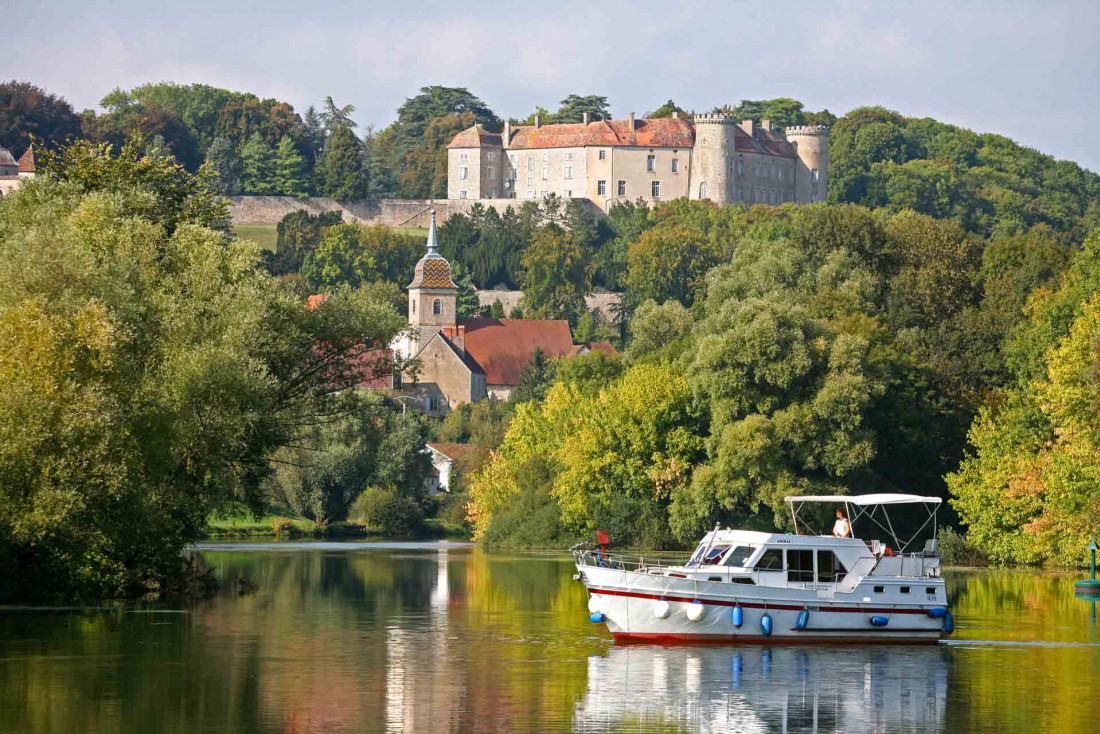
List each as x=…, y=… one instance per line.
x=433, y=295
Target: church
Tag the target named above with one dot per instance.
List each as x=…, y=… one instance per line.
x=463, y=360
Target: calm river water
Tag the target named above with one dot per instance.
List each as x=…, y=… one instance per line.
x=437, y=637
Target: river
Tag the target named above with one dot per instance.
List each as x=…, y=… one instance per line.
x=439, y=637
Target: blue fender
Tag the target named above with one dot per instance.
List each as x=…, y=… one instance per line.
x=937, y=612
x=597, y=617
x=880, y=621
x=738, y=616
x=803, y=619
x=948, y=623
x=766, y=625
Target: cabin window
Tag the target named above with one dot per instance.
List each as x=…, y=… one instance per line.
x=772, y=560
x=742, y=580
x=715, y=553
x=829, y=568
x=880, y=589
x=905, y=589
x=738, y=555
x=800, y=565
x=714, y=578
x=930, y=590
x=437, y=307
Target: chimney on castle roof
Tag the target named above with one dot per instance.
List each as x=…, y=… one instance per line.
x=507, y=137
x=538, y=123
x=630, y=121
x=676, y=114
x=746, y=125
x=766, y=124
x=584, y=117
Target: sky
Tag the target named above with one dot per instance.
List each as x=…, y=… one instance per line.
x=1028, y=70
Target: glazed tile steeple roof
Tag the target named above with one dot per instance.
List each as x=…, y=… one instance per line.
x=433, y=270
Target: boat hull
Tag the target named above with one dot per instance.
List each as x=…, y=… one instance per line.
x=630, y=611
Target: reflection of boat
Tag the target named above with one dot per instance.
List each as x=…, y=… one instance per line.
x=751, y=689
x=753, y=586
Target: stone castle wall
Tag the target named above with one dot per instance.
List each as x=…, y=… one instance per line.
x=389, y=212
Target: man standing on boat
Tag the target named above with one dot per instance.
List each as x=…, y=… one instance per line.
x=842, y=528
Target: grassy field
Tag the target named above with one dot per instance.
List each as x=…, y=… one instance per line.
x=263, y=235
x=237, y=522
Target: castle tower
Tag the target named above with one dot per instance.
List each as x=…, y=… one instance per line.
x=811, y=144
x=433, y=297
x=711, y=161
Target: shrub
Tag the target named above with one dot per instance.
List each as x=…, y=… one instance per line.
x=956, y=550
x=387, y=512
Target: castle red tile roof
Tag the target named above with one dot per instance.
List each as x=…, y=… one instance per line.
x=6, y=158
x=764, y=141
x=663, y=132
x=503, y=347
x=26, y=161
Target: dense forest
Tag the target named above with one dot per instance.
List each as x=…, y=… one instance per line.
x=934, y=328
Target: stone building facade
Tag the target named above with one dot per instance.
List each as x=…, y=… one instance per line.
x=708, y=157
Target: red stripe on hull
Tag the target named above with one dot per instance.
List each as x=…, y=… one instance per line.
x=660, y=638
x=754, y=605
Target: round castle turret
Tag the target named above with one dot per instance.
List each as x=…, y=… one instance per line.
x=811, y=144
x=715, y=136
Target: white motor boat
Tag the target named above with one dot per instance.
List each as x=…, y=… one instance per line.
x=750, y=586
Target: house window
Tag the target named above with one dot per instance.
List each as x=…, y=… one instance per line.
x=463, y=173
x=437, y=307
x=568, y=172
x=462, y=194
x=813, y=175
x=675, y=165
x=545, y=172
x=622, y=188
x=433, y=404
x=601, y=188
x=651, y=163
x=464, y=157
x=703, y=190
x=603, y=155
x=492, y=173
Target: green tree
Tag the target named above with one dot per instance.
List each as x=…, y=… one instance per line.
x=342, y=167
x=574, y=106
x=258, y=167
x=667, y=110
x=555, y=276
x=653, y=328
x=536, y=378
x=148, y=369
x=223, y=159
x=669, y=262
x=467, y=301
x=290, y=170
x=351, y=255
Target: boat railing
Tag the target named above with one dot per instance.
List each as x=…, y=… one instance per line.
x=622, y=562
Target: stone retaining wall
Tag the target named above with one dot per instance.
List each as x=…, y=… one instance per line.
x=602, y=303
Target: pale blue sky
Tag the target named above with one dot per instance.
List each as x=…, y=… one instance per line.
x=1029, y=70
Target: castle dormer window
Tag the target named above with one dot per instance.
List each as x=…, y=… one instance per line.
x=437, y=307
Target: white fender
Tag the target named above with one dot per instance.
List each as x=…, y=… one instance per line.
x=695, y=611
x=661, y=609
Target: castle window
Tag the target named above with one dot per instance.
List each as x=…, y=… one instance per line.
x=622, y=188
x=675, y=165
x=655, y=189
x=568, y=194
x=603, y=155
x=492, y=155
x=545, y=172
x=462, y=194
x=464, y=157
x=530, y=194
x=813, y=175
x=513, y=160
x=463, y=173
x=437, y=307
x=601, y=188
x=568, y=173
x=433, y=404
x=568, y=156
x=703, y=190
x=546, y=155
x=530, y=163
x=740, y=168
x=731, y=166
x=492, y=173
x=530, y=180
x=651, y=163
x=740, y=193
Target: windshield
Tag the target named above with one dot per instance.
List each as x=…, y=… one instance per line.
x=713, y=553
x=739, y=555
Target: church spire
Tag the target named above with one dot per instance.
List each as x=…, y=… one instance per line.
x=433, y=270
x=433, y=239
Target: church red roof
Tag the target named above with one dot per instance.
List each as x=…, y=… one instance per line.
x=26, y=161
x=503, y=347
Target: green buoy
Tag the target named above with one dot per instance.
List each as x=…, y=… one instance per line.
x=1090, y=586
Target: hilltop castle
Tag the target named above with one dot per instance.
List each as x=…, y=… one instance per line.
x=708, y=157
x=13, y=173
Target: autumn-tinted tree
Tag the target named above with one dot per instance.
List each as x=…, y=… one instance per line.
x=27, y=110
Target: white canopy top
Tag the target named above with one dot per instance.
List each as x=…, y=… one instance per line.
x=866, y=499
